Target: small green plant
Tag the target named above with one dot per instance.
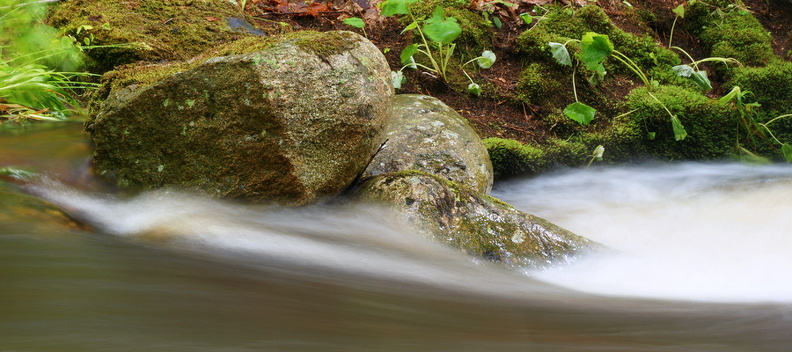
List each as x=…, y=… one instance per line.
x=697, y=75
x=529, y=18
x=750, y=130
x=596, y=155
x=437, y=34
x=680, y=13
x=594, y=50
x=357, y=23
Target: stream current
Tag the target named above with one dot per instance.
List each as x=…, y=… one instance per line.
x=698, y=261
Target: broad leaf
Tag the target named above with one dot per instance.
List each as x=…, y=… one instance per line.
x=486, y=60
x=407, y=54
x=680, y=10
x=560, y=54
x=497, y=22
x=786, y=149
x=579, y=112
x=734, y=94
x=395, y=7
x=411, y=26
x=594, y=49
x=355, y=22
x=683, y=70
x=701, y=79
x=679, y=130
x=442, y=29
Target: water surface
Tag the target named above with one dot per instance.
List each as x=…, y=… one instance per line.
x=168, y=271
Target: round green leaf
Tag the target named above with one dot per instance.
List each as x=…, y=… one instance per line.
x=594, y=49
x=474, y=89
x=355, y=22
x=442, y=29
x=580, y=113
x=486, y=60
x=560, y=54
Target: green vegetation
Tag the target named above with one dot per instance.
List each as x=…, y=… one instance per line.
x=728, y=29
x=709, y=124
x=437, y=34
x=36, y=65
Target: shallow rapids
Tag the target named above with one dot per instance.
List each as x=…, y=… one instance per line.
x=168, y=271
x=691, y=231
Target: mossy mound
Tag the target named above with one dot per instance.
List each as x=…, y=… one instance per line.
x=771, y=86
x=157, y=30
x=710, y=125
x=479, y=225
x=728, y=29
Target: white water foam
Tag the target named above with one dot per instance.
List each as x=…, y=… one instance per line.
x=701, y=232
x=331, y=242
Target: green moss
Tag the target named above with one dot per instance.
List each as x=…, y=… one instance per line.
x=624, y=140
x=729, y=30
x=163, y=30
x=710, y=125
x=541, y=84
x=477, y=33
x=511, y=158
x=770, y=86
x=566, y=152
x=327, y=43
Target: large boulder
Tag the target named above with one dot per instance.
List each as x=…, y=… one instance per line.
x=477, y=224
x=427, y=135
x=295, y=122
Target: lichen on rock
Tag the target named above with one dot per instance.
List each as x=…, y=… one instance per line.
x=427, y=135
x=476, y=224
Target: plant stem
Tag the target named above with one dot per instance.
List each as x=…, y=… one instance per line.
x=574, y=88
x=633, y=67
x=671, y=36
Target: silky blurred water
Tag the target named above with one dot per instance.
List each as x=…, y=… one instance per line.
x=169, y=271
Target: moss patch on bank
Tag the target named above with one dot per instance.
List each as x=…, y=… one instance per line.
x=158, y=30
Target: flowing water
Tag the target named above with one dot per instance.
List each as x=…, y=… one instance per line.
x=698, y=261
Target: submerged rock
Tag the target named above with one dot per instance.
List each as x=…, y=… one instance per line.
x=427, y=135
x=295, y=122
x=477, y=224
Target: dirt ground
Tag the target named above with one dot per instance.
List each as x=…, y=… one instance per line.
x=493, y=117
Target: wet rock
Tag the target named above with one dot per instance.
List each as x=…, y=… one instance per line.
x=477, y=224
x=427, y=135
x=294, y=123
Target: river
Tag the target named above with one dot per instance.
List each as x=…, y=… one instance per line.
x=698, y=261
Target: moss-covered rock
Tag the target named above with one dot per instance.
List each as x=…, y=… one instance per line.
x=427, y=135
x=511, y=158
x=161, y=30
x=479, y=225
x=295, y=122
x=710, y=125
x=770, y=86
x=728, y=29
